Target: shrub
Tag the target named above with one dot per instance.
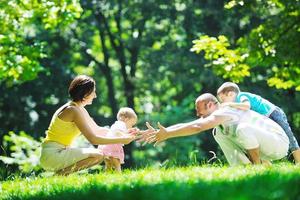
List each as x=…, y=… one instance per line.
x=24, y=151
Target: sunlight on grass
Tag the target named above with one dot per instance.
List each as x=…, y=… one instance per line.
x=246, y=182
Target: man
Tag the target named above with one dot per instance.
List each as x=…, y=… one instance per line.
x=244, y=136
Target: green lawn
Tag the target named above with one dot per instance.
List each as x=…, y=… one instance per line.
x=280, y=181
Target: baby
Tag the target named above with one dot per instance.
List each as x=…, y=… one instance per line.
x=126, y=119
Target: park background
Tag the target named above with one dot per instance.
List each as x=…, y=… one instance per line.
x=155, y=56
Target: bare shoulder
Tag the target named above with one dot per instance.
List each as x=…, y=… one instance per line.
x=70, y=113
x=74, y=109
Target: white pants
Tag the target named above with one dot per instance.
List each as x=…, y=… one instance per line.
x=272, y=145
x=55, y=156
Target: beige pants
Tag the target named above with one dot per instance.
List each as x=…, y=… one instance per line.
x=55, y=156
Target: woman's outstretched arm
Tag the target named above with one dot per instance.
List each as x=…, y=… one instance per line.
x=86, y=127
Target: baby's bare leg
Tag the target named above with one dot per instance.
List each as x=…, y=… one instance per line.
x=116, y=164
x=108, y=164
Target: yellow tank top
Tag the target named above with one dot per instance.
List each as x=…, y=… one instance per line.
x=61, y=131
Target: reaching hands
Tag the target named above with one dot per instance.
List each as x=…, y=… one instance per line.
x=143, y=135
x=152, y=135
x=133, y=131
x=160, y=135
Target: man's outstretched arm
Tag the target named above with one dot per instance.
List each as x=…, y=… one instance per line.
x=187, y=129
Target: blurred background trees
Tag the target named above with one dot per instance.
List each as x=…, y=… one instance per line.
x=142, y=55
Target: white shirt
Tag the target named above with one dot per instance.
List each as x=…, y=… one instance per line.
x=236, y=116
x=117, y=128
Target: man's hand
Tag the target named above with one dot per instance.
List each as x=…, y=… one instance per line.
x=159, y=136
x=144, y=135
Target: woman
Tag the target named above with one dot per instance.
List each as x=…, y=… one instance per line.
x=67, y=123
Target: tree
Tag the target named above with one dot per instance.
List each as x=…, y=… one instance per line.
x=272, y=44
x=139, y=54
x=20, y=22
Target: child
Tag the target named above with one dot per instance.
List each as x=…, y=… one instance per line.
x=126, y=119
x=230, y=94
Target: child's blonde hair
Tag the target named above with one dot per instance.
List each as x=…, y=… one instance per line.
x=126, y=112
x=228, y=87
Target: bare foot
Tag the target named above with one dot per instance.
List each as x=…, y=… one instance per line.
x=266, y=163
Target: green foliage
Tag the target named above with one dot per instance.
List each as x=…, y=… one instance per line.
x=205, y=182
x=176, y=152
x=225, y=62
x=274, y=43
x=25, y=151
x=139, y=54
x=20, y=24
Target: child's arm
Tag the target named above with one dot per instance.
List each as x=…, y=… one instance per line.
x=245, y=105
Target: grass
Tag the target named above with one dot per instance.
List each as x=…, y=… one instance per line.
x=280, y=181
